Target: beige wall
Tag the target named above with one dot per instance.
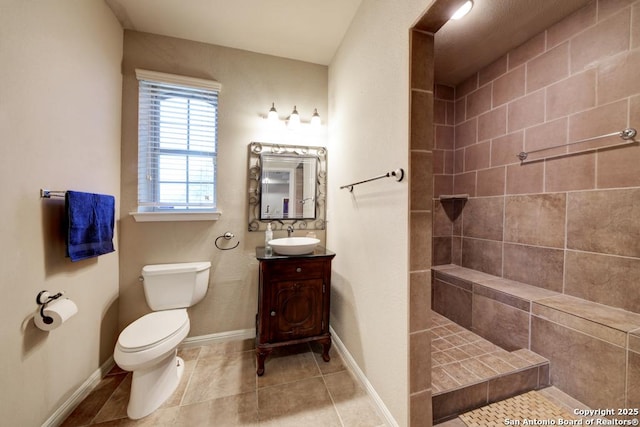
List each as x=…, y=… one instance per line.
x=250, y=83
x=60, y=96
x=368, y=229
x=567, y=224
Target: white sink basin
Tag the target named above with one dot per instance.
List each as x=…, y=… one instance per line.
x=294, y=245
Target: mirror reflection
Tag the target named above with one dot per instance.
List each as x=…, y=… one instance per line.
x=288, y=187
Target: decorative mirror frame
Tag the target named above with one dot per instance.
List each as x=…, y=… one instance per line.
x=255, y=170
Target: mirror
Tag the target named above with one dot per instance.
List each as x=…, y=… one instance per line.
x=287, y=185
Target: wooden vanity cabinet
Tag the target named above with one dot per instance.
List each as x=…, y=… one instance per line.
x=293, y=302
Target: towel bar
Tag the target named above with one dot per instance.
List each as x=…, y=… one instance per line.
x=47, y=194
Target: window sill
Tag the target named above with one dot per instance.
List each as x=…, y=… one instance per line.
x=175, y=216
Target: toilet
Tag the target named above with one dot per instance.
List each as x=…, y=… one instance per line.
x=148, y=347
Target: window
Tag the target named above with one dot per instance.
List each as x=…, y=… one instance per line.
x=177, y=143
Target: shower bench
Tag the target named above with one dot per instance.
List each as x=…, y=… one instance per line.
x=593, y=349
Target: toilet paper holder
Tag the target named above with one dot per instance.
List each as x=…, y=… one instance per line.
x=44, y=298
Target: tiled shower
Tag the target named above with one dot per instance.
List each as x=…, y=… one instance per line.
x=567, y=221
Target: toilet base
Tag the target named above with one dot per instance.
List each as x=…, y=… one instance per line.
x=151, y=387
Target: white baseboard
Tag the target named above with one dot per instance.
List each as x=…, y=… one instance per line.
x=382, y=409
x=79, y=395
x=240, y=334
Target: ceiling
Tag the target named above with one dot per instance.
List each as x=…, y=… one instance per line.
x=311, y=31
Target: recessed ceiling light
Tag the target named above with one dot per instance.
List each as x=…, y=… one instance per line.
x=464, y=9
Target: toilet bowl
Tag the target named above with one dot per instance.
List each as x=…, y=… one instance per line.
x=148, y=346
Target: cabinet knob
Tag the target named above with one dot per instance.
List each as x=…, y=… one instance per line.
x=273, y=313
x=298, y=270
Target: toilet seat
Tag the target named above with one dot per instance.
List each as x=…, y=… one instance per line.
x=152, y=330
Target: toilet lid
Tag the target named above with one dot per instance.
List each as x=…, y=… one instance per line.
x=152, y=328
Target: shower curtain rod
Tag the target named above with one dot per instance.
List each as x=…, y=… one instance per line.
x=627, y=135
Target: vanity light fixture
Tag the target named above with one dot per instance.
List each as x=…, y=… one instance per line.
x=273, y=114
x=463, y=10
x=293, y=122
x=315, y=119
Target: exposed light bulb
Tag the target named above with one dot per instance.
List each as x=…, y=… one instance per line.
x=315, y=119
x=294, y=119
x=464, y=9
x=273, y=114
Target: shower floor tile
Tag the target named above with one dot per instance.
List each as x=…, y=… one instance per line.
x=468, y=371
x=461, y=358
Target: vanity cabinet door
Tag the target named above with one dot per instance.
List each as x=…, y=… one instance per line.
x=297, y=309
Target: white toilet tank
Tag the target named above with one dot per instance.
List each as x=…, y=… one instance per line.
x=181, y=285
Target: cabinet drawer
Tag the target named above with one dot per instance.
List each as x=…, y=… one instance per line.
x=292, y=270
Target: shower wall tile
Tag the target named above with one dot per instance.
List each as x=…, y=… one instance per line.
x=452, y=302
x=439, y=112
x=466, y=133
x=420, y=241
x=442, y=184
x=609, y=280
x=445, y=92
x=492, y=124
x=421, y=54
x=460, y=107
x=548, y=68
x=491, y=182
x=607, y=38
x=483, y=218
x=600, y=381
x=535, y=219
x=526, y=111
x=493, y=71
x=421, y=180
x=546, y=135
x=502, y=324
x=479, y=101
x=465, y=184
x=577, y=93
x=526, y=51
x=456, y=250
x=438, y=161
x=524, y=179
x=504, y=149
x=509, y=87
x=618, y=167
x=419, y=300
x=577, y=172
x=441, y=251
x=421, y=408
x=633, y=380
x=458, y=161
x=635, y=26
x=442, y=225
x=467, y=86
x=444, y=138
x=534, y=265
x=421, y=120
x=482, y=255
x=604, y=221
x=607, y=8
x=618, y=77
x=598, y=121
x=574, y=24
x=477, y=156
x=419, y=372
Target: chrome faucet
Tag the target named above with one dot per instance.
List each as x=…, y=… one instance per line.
x=289, y=230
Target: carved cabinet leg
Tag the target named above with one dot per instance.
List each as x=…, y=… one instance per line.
x=261, y=355
x=326, y=345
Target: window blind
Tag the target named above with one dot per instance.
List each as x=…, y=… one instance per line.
x=177, y=142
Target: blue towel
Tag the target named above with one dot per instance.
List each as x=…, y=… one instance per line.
x=90, y=220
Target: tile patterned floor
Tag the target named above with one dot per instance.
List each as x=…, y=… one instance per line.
x=459, y=357
x=220, y=388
